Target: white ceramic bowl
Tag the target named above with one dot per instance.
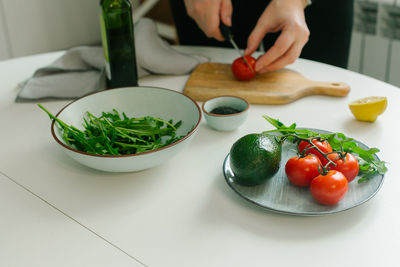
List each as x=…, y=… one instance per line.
x=225, y=122
x=135, y=102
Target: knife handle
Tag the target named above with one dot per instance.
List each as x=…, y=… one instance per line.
x=225, y=31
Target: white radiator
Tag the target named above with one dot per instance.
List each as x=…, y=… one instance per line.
x=375, y=47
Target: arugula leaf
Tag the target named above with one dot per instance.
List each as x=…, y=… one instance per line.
x=116, y=134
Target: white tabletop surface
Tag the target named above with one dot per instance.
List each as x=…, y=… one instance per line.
x=55, y=212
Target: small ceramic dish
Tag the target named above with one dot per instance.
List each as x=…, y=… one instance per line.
x=225, y=113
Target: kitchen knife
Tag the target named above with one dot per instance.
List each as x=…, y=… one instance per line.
x=227, y=34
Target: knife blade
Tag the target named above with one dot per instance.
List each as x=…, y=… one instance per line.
x=227, y=34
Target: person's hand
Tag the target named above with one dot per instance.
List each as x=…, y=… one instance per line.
x=209, y=13
x=286, y=16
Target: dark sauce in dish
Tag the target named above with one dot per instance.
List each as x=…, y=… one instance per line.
x=225, y=110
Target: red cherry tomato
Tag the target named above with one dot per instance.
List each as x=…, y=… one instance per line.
x=329, y=189
x=324, y=146
x=348, y=166
x=241, y=70
x=301, y=171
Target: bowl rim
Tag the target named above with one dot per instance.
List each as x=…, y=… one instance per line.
x=127, y=155
x=225, y=115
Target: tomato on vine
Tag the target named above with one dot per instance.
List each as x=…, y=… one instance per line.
x=329, y=188
x=323, y=145
x=302, y=170
x=348, y=165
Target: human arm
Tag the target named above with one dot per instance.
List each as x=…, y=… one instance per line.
x=209, y=13
x=286, y=16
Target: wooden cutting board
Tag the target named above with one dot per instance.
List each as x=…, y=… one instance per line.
x=279, y=87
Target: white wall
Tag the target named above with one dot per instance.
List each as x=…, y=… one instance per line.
x=35, y=26
x=4, y=41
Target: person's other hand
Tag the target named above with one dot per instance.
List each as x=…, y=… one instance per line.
x=286, y=16
x=209, y=13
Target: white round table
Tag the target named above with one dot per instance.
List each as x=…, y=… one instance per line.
x=56, y=212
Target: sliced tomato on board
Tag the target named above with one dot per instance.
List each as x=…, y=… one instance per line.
x=241, y=69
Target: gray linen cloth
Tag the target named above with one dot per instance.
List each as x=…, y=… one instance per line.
x=80, y=70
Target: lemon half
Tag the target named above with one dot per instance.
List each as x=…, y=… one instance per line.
x=368, y=108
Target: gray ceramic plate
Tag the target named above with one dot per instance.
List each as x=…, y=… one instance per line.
x=279, y=195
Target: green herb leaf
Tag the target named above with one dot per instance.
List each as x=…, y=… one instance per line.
x=113, y=134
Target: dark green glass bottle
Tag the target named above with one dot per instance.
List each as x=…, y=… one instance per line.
x=118, y=43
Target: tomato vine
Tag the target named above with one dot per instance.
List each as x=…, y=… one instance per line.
x=369, y=165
